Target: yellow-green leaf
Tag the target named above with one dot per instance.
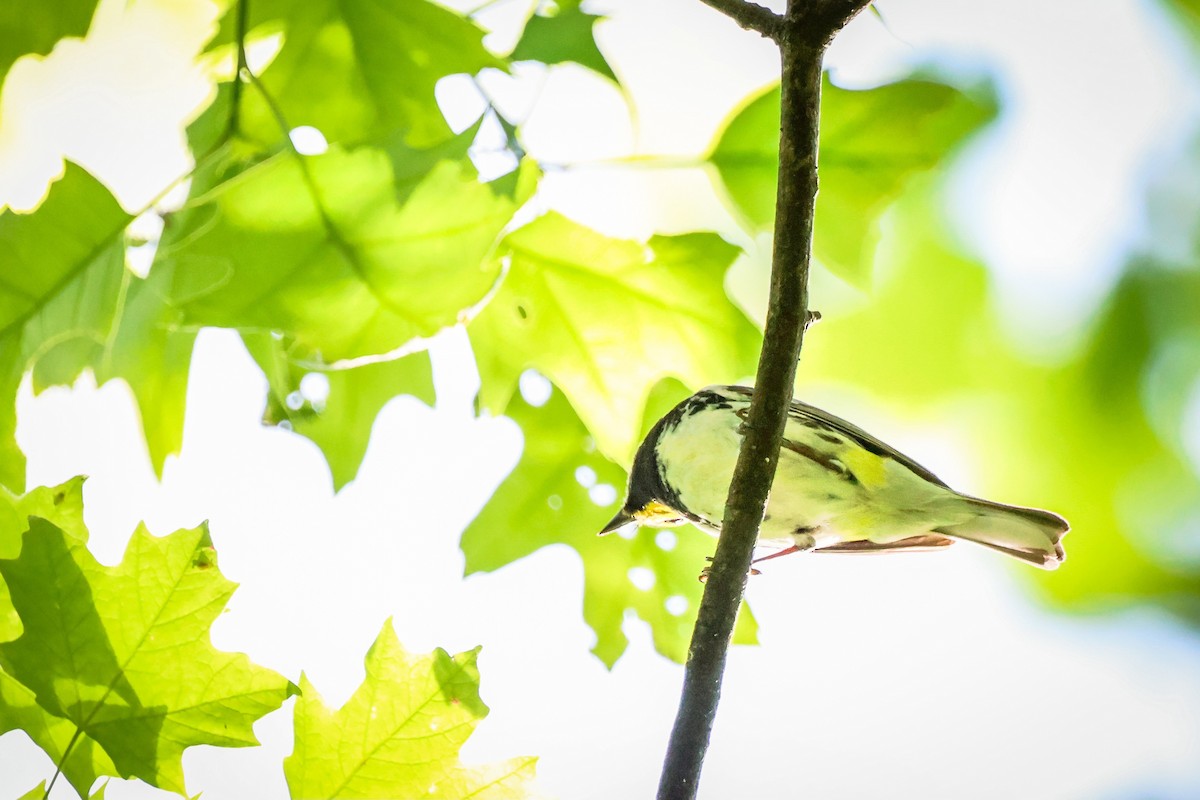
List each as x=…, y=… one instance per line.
x=123, y=653
x=606, y=319
x=399, y=734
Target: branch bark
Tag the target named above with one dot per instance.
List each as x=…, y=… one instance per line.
x=803, y=34
x=749, y=15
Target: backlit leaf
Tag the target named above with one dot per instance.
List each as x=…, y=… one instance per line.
x=340, y=424
x=605, y=319
x=319, y=248
x=400, y=733
x=122, y=653
x=61, y=269
x=359, y=69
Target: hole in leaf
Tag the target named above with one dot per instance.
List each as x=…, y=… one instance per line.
x=603, y=495
x=314, y=387
x=308, y=141
x=535, y=388
x=585, y=476
x=642, y=578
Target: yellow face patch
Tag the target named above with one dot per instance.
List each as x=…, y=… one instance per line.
x=658, y=515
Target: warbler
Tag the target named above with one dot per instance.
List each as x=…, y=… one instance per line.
x=837, y=488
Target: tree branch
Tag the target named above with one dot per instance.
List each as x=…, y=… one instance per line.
x=802, y=34
x=749, y=15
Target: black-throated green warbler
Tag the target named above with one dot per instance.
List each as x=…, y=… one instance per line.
x=836, y=489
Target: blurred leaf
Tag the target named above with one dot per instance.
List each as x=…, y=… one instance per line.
x=1097, y=438
x=872, y=142
x=35, y=26
x=319, y=248
x=567, y=35
x=358, y=69
x=123, y=653
x=341, y=423
x=1132, y=496
x=151, y=353
x=1188, y=12
x=927, y=333
x=400, y=733
x=544, y=502
x=61, y=269
x=605, y=319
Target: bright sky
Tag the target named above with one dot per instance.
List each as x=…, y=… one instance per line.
x=930, y=677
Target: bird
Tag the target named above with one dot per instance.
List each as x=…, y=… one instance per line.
x=837, y=488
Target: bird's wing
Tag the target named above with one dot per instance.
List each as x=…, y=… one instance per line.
x=803, y=412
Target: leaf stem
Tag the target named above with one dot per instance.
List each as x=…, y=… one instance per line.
x=802, y=35
x=235, y=98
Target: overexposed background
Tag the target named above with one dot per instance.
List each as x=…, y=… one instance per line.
x=929, y=677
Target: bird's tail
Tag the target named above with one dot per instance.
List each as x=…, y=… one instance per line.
x=1029, y=534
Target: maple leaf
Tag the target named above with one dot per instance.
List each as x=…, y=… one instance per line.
x=400, y=733
x=122, y=656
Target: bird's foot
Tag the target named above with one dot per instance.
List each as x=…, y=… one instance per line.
x=704, y=573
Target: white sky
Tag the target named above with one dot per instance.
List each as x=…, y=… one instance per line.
x=929, y=677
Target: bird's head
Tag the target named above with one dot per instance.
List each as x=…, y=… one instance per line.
x=650, y=500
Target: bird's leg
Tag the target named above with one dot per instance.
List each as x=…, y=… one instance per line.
x=784, y=552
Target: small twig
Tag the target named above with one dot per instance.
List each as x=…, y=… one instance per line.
x=802, y=34
x=749, y=15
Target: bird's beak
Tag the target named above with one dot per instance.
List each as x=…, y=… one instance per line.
x=623, y=518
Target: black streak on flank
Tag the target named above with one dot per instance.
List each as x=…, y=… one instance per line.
x=823, y=460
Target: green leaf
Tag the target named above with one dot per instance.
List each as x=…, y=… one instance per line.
x=35, y=27
x=341, y=424
x=152, y=354
x=81, y=758
x=123, y=654
x=543, y=502
x=889, y=345
x=62, y=505
x=400, y=733
x=567, y=35
x=320, y=249
x=605, y=319
x=36, y=793
x=61, y=269
x=872, y=143
x=1133, y=503
x=359, y=69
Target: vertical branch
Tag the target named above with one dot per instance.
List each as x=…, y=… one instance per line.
x=802, y=36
